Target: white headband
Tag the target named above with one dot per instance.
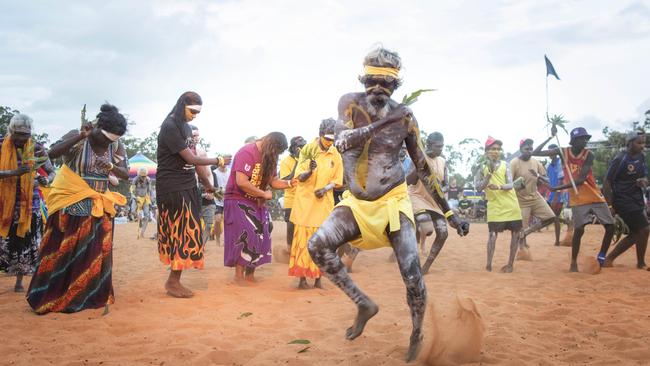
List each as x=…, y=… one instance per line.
x=329, y=136
x=111, y=136
x=195, y=107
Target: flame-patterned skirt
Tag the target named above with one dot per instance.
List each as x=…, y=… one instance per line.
x=179, y=229
x=246, y=237
x=76, y=262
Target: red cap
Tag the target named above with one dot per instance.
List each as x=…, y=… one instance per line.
x=525, y=140
x=491, y=141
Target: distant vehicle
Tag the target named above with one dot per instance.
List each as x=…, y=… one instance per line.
x=473, y=195
x=477, y=209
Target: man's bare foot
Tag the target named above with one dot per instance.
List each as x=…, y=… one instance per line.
x=318, y=284
x=574, y=267
x=414, y=347
x=302, y=285
x=19, y=288
x=506, y=269
x=640, y=266
x=365, y=311
x=488, y=268
x=557, y=243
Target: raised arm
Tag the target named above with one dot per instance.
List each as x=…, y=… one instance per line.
x=120, y=169
x=347, y=138
x=70, y=139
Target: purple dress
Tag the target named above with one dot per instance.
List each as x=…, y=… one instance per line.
x=247, y=241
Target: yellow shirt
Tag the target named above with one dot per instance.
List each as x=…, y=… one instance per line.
x=502, y=205
x=286, y=167
x=308, y=210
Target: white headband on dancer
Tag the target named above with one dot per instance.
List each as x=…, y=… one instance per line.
x=194, y=107
x=111, y=136
x=329, y=137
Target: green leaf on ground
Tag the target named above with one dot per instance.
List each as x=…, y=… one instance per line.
x=244, y=315
x=300, y=341
x=304, y=349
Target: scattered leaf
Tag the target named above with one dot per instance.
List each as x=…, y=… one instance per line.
x=304, y=349
x=300, y=341
x=244, y=315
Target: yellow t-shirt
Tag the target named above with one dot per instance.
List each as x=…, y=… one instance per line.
x=286, y=167
x=308, y=210
x=502, y=205
x=529, y=195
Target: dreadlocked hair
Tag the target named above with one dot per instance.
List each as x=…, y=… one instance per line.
x=273, y=145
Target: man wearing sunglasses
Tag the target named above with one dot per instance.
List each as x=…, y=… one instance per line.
x=377, y=212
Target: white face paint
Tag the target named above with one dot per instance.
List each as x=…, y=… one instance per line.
x=111, y=136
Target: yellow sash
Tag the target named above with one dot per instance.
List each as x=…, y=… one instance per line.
x=9, y=161
x=69, y=188
x=374, y=216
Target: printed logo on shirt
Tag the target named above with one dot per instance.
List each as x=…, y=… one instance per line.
x=631, y=168
x=247, y=167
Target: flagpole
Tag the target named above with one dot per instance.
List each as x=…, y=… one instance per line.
x=547, y=97
x=562, y=157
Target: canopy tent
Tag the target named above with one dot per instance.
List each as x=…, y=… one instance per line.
x=138, y=161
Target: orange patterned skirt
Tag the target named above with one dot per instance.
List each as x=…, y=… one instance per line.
x=179, y=229
x=76, y=263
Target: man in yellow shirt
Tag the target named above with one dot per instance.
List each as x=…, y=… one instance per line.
x=320, y=170
x=503, y=212
x=288, y=167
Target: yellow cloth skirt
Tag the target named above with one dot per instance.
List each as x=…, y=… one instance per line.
x=374, y=216
x=300, y=263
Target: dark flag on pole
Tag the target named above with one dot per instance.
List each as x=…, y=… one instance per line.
x=550, y=70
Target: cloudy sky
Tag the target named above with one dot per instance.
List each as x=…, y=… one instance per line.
x=269, y=65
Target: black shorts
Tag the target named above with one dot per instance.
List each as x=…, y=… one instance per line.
x=497, y=227
x=635, y=220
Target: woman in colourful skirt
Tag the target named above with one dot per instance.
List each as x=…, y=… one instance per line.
x=75, y=269
x=177, y=195
x=247, y=242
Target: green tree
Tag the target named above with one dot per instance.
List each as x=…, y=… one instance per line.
x=606, y=150
x=5, y=116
